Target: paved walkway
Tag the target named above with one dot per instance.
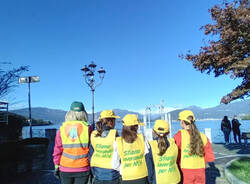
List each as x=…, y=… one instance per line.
x=224, y=154
x=215, y=173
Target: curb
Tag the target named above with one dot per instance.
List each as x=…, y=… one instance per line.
x=231, y=178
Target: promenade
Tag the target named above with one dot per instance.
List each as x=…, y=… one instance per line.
x=214, y=173
x=223, y=155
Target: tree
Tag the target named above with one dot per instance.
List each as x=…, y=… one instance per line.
x=229, y=53
x=8, y=79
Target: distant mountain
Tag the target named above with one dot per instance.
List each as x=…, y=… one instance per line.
x=118, y=112
x=237, y=108
x=57, y=116
x=54, y=115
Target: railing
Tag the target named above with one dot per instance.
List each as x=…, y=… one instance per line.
x=4, y=108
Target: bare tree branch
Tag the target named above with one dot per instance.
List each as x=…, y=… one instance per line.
x=8, y=79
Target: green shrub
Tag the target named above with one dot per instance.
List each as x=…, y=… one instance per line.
x=241, y=169
x=246, y=117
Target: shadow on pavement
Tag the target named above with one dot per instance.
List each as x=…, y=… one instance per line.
x=233, y=148
x=241, y=148
x=38, y=177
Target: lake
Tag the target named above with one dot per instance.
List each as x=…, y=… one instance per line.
x=216, y=133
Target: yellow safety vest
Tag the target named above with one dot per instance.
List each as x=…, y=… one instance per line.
x=166, y=169
x=103, y=149
x=188, y=161
x=75, y=140
x=133, y=164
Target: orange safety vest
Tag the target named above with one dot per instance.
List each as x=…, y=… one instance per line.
x=75, y=140
x=191, y=161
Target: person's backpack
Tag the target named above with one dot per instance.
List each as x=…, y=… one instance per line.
x=226, y=124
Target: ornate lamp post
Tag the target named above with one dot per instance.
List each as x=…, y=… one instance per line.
x=89, y=75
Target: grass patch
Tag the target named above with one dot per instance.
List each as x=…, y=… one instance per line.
x=241, y=169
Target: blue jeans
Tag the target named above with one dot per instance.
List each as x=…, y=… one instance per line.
x=115, y=181
x=226, y=132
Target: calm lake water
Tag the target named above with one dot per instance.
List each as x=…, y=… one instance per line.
x=216, y=133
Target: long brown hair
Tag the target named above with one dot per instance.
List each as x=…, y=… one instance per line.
x=162, y=144
x=129, y=133
x=196, y=143
x=105, y=121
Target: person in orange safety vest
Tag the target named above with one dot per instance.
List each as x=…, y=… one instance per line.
x=71, y=148
x=195, y=149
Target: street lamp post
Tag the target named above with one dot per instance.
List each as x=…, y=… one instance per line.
x=29, y=80
x=89, y=75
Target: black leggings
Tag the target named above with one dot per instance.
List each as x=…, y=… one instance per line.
x=138, y=181
x=74, y=177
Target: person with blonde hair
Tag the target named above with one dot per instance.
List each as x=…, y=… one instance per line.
x=71, y=148
x=162, y=162
x=132, y=148
x=104, y=158
x=195, y=149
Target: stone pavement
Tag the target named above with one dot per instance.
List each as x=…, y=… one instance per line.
x=224, y=154
x=214, y=173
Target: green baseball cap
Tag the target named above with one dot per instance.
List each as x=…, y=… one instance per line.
x=77, y=106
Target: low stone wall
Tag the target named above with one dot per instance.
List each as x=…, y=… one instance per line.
x=50, y=134
x=23, y=156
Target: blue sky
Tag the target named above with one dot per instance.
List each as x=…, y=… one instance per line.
x=136, y=41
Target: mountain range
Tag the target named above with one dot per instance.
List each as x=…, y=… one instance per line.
x=56, y=116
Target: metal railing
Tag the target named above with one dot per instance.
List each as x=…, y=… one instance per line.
x=4, y=112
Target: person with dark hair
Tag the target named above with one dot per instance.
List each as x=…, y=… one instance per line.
x=195, y=149
x=236, y=129
x=226, y=129
x=132, y=148
x=162, y=166
x=104, y=158
x=71, y=148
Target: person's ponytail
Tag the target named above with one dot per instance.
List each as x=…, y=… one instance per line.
x=98, y=128
x=129, y=133
x=196, y=143
x=162, y=145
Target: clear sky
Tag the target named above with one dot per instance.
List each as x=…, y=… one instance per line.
x=136, y=41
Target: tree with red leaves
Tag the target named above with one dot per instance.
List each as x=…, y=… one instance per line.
x=229, y=54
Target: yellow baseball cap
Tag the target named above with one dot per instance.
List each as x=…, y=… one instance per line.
x=108, y=114
x=161, y=126
x=131, y=119
x=183, y=115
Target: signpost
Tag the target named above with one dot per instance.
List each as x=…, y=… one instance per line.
x=29, y=80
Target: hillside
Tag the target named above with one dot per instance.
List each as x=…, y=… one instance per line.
x=237, y=108
x=58, y=116
x=53, y=115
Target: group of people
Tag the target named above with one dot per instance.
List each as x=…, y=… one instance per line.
x=226, y=129
x=129, y=158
